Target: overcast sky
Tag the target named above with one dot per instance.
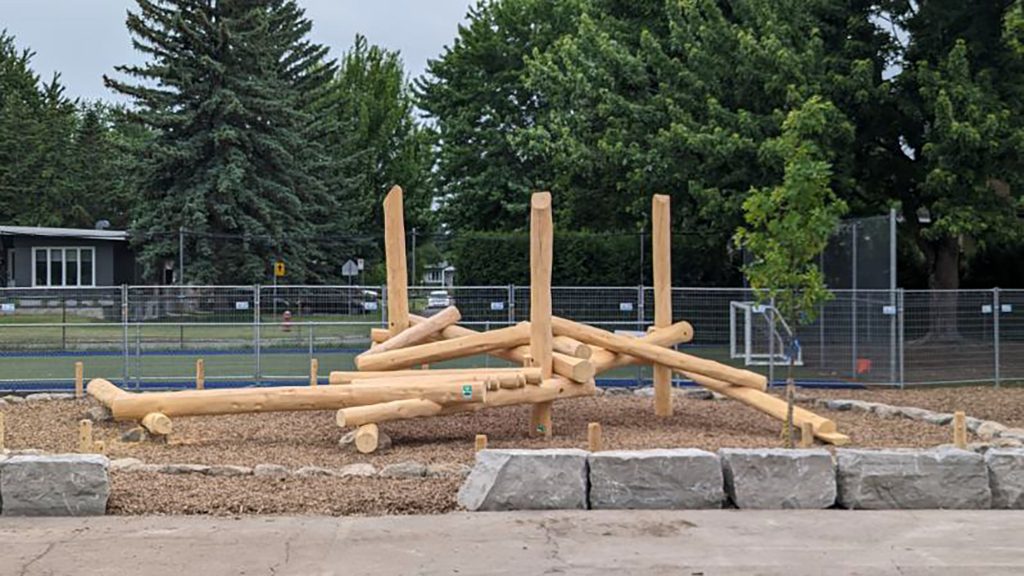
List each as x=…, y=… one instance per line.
x=84, y=39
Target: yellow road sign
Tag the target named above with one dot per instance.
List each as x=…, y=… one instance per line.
x=278, y=269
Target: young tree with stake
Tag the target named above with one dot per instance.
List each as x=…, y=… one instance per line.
x=788, y=226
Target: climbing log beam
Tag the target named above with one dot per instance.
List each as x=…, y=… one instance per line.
x=658, y=355
x=470, y=345
x=419, y=333
x=532, y=375
x=661, y=239
x=394, y=254
x=131, y=406
x=575, y=369
x=678, y=333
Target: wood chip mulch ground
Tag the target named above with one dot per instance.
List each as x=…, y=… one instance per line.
x=310, y=439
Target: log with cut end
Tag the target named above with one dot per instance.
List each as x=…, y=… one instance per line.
x=157, y=424
x=135, y=406
x=575, y=369
x=678, y=333
x=378, y=335
x=470, y=345
x=394, y=258
x=532, y=375
x=419, y=333
x=367, y=438
x=571, y=347
x=386, y=412
x=658, y=355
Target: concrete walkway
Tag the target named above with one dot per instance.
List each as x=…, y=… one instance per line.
x=524, y=544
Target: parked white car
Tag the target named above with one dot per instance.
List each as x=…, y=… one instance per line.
x=438, y=299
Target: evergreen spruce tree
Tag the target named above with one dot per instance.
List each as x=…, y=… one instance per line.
x=226, y=90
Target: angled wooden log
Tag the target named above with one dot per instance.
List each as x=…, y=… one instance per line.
x=446, y=349
x=386, y=412
x=661, y=240
x=575, y=369
x=157, y=424
x=394, y=255
x=532, y=375
x=419, y=333
x=570, y=347
x=133, y=406
x=678, y=333
x=378, y=335
x=658, y=355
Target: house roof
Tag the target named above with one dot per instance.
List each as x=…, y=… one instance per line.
x=83, y=233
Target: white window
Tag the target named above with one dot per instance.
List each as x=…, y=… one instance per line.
x=63, y=267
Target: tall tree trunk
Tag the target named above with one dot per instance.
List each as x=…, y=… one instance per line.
x=943, y=278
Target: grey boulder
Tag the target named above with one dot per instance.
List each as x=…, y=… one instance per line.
x=775, y=478
x=553, y=479
x=655, y=479
x=1006, y=477
x=55, y=485
x=897, y=479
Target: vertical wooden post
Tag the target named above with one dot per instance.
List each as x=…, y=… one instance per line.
x=2, y=433
x=481, y=442
x=594, y=436
x=806, y=435
x=79, y=377
x=314, y=368
x=541, y=338
x=85, y=443
x=960, y=429
x=394, y=254
x=661, y=237
x=200, y=374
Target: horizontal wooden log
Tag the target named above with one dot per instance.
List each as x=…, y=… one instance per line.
x=386, y=412
x=419, y=333
x=469, y=345
x=575, y=369
x=658, y=355
x=678, y=333
x=135, y=406
x=379, y=335
x=104, y=391
x=532, y=375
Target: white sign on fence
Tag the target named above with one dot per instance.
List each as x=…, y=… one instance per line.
x=370, y=305
x=497, y=305
x=625, y=306
x=889, y=310
x=986, y=308
x=7, y=307
x=242, y=305
x=1006, y=308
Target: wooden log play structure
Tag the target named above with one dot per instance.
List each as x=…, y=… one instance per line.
x=552, y=358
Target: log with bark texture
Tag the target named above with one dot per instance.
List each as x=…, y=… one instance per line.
x=532, y=375
x=394, y=257
x=135, y=406
x=678, y=333
x=446, y=349
x=658, y=355
x=419, y=333
x=661, y=253
x=575, y=369
x=157, y=424
x=386, y=412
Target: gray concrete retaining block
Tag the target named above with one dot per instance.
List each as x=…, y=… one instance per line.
x=655, y=479
x=1006, y=477
x=54, y=485
x=911, y=480
x=554, y=479
x=775, y=478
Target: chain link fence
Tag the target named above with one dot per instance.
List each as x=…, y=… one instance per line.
x=152, y=336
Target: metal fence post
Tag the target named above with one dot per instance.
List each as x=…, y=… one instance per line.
x=771, y=343
x=257, y=319
x=900, y=329
x=124, y=329
x=995, y=330
x=384, y=305
x=511, y=304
